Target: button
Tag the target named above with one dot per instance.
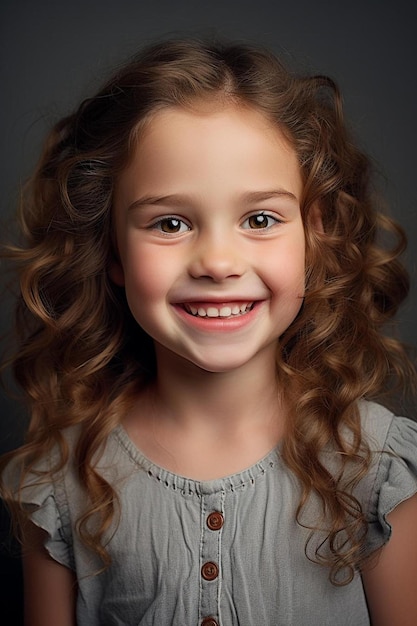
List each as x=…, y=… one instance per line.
x=209, y=621
x=209, y=571
x=215, y=520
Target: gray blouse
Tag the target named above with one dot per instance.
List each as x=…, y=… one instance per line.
x=224, y=552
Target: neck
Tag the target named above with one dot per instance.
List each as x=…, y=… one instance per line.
x=226, y=401
x=190, y=415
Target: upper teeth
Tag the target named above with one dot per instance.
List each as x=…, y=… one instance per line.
x=224, y=311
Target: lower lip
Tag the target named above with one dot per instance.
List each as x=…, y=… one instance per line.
x=218, y=324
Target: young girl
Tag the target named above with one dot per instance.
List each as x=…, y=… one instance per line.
x=203, y=293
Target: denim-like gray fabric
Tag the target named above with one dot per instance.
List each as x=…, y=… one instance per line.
x=163, y=540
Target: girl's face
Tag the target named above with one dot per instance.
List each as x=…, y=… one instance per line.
x=210, y=236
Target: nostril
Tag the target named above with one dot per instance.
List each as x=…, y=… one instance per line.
x=216, y=268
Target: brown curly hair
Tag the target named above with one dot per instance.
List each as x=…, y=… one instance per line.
x=81, y=356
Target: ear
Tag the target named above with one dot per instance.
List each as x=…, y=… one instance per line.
x=116, y=273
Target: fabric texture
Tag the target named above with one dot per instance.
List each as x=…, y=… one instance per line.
x=229, y=549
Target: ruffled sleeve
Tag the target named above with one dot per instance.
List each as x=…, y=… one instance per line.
x=395, y=478
x=46, y=503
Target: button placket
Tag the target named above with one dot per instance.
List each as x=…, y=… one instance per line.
x=212, y=521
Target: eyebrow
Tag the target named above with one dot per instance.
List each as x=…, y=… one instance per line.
x=178, y=200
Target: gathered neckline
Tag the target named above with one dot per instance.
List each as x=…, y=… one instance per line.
x=191, y=486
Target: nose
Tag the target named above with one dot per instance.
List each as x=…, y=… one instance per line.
x=217, y=258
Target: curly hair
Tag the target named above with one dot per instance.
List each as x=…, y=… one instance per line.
x=82, y=358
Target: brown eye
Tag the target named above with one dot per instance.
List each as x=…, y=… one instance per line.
x=260, y=221
x=171, y=226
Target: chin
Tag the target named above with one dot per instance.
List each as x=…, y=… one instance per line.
x=221, y=363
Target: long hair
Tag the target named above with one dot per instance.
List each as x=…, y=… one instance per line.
x=82, y=358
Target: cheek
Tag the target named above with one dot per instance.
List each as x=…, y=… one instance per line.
x=286, y=269
x=148, y=275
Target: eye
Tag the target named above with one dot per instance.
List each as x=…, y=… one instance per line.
x=260, y=221
x=171, y=226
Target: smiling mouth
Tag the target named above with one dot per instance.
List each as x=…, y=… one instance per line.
x=223, y=311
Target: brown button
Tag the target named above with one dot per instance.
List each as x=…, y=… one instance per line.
x=209, y=571
x=209, y=621
x=215, y=520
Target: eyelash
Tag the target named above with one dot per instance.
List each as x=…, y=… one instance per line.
x=158, y=225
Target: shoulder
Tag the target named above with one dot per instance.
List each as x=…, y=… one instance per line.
x=390, y=574
x=385, y=431
x=376, y=421
x=392, y=476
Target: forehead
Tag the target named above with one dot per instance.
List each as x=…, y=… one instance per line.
x=221, y=145
x=211, y=125
x=201, y=117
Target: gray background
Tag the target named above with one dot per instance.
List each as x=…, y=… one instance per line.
x=54, y=53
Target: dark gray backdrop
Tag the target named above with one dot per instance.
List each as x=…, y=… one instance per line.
x=54, y=53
